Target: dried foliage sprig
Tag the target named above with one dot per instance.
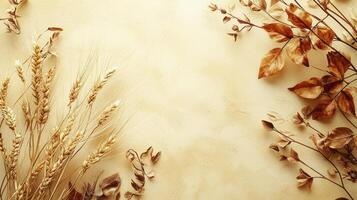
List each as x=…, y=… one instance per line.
x=11, y=20
x=299, y=31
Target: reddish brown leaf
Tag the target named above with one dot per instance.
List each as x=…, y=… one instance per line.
x=297, y=50
x=298, y=17
x=337, y=64
x=310, y=89
x=324, y=110
x=322, y=37
x=346, y=103
x=279, y=32
x=304, y=180
x=339, y=137
x=74, y=194
x=331, y=84
x=271, y=64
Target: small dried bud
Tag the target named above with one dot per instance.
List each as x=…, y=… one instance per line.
x=223, y=11
x=297, y=119
x=235, y=28
x=213, y=7
x=268, y=125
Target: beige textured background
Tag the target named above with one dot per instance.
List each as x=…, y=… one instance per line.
x=187, y=88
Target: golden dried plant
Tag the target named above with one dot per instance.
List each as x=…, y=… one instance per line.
x=39, y=152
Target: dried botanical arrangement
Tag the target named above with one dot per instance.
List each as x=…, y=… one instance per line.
x=109, y=188
x=37, y=155
x=332, y=35
x=11, y=20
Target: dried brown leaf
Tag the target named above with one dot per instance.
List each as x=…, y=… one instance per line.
x=322, y=37
x=304, y=180
x=271, y=64
x=331, y=84
x=339, y=137
x=297, y=50
x=298, y=17
x=226, y=19
x=279, y=32
x=346, y=103
x=309, y=89
x=293, y=156
x=337, y=64
x=324, y=110
x=110, y=185
x=268, y=125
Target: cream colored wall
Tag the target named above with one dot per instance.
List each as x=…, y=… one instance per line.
x=187, y=88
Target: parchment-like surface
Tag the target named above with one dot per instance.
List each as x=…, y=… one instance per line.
x=187, y=89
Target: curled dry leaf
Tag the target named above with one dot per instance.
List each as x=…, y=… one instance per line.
x=320, y=145
x=324, y=110
x=297, y=50
x=226, y=19
x=283, y=143
x=274, y=147
x=346, y=103
x=298, y=17
x=150, y=153
x=271, y=64
x=279, y=32
x=293, y=156
x=304, y=180
x=322, y=37
x=268, y=125
x=339, y=137
x=110, y=185
x=298, y=119
x=310, y=89
x=337, y=64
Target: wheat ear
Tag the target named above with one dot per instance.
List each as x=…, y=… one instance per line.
x=108, y=111
x=9, y=116
x=20, y=71
x=3, y=92
x=96, y=156
x=98, y=86
x=75, y=89
x=36, y=69
x=62, y=159
x=16, y=145
x=44, y=107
